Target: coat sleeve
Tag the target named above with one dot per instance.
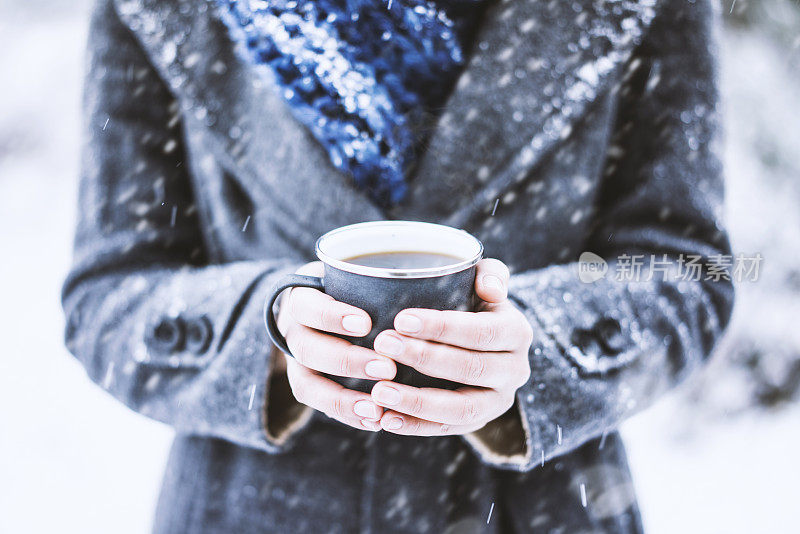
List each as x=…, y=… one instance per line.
x=170, y=335
x=606, y=349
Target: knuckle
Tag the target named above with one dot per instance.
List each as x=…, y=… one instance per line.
x=343, y=365
x=329, y=318
x=439, y=328
x=338, y=407
x=299, y=346
x=485, y=335
x=345, y=359
x=468, y=411
x=292, y=305
x=292, y=340
x=422, y=354
x=473, y=368
x=415, y=404
x=527, y=331
x=413, y=426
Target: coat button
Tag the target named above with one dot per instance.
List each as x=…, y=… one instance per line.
x=198, y=334
x=168, y=335
x=609, y=333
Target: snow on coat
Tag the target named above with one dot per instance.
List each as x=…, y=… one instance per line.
x=576, y=126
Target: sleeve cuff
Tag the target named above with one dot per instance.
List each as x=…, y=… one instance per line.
x=504, y=442
x=283, y=416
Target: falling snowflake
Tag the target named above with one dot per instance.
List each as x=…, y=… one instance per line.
x=252, y=397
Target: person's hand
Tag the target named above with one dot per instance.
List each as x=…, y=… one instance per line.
x=305, y=315
x=487, y=349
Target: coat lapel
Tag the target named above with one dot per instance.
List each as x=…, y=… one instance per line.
x=535, y=69
x=255, y=137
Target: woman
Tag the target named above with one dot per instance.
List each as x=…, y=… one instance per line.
x=225, y=137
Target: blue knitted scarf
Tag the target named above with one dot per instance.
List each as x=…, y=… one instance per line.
x=365, y=77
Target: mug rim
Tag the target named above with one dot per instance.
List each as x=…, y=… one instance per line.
x=383, y=272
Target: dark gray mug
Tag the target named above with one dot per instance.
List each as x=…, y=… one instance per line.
x=384, y=292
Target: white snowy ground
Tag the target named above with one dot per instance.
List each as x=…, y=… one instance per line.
x=72, y=460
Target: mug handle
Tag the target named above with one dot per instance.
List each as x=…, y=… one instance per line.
x=288, y=281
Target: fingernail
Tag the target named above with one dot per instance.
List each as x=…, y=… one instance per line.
x=370, y=425
x=394, y=423
x=492, y=282
x=364, y=408
x=379, y=369
x=405, y=322
x=356, y=324
x=389, y=345
x=387, y=395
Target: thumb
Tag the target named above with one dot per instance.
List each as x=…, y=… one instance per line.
x=491, y=280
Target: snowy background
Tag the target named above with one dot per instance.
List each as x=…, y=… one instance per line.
x=720, y=455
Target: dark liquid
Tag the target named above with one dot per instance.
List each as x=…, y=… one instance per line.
x=404, y=260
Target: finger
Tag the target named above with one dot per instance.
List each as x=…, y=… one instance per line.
x=317, y=310
x=328, y=354
x=494, y=330
x=314, y=268
x=491, y=280
x=486, y=369
x=407, y=425
x=347, y=406
x=464, y=406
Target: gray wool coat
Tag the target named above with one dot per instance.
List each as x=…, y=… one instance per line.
x=596, y=125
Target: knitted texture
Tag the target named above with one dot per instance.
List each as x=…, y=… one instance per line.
x=364, y=76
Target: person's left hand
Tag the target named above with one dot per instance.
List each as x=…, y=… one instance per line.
x=487, y=350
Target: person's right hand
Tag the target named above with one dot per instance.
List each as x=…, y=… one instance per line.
x=304, y=316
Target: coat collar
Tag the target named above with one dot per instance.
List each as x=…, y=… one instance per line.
x=536, y=67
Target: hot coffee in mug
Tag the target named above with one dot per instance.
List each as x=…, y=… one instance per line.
x=384, y=267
